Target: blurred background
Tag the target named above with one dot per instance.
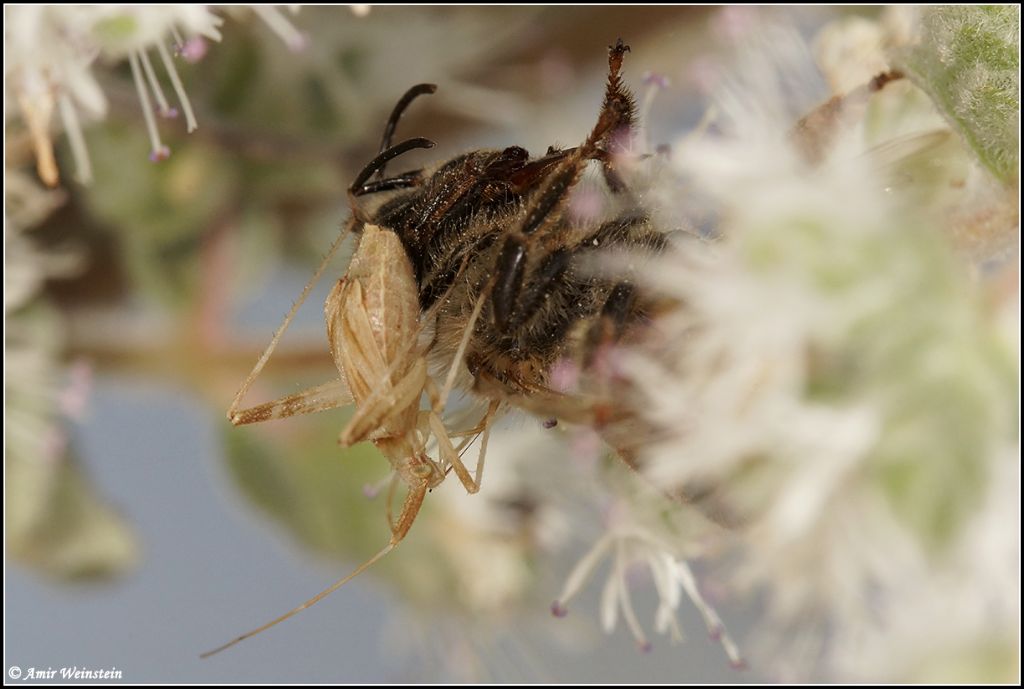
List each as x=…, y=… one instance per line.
x=146, y=269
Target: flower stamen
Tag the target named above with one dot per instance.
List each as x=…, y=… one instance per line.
x=628, y=613
x=711, y=619
x=580, y=575
x=293, y=38
x=79, y=151
x=163, y=107
x=172, y=72
x=158, y=150
x=179, y=40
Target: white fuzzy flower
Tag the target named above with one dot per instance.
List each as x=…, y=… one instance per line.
x=49, y=54
x=828, y=385
x=960, y=623
x=50, y=51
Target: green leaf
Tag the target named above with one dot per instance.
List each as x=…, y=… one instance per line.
x=968, y=61
x=58, y=525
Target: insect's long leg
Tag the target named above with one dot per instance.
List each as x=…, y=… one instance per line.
x=320, y=398
x=233, y=409
x=467, y=334
x=392, y=485
x=312, y=601
x=410, y=508
x=448, y=451
x=396, y=114
x=469, y=433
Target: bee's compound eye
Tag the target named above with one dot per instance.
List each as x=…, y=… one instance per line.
x=515, y=153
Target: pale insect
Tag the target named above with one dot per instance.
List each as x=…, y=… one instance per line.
x=479, y=249
x=373, y=327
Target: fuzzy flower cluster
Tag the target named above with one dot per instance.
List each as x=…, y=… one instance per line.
x=833, y=385
x=59, y=80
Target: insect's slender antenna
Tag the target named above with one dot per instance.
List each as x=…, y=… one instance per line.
x=396, y=114
x=309, y=603
x=384, y=156
x=235, y=403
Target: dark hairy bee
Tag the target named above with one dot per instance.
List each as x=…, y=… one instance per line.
x=491, y=225
x=473, y=269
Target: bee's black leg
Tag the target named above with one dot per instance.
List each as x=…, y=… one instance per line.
x=608, y=326
x=613, y=128
x=612, y=178
x=616, y=116
x=533, y=290
x=508, y=281
x=626, y=232
x=617, y=98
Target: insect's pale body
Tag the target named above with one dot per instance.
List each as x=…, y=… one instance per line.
x=372, y=319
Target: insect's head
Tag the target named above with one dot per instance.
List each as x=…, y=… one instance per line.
x=487, y=175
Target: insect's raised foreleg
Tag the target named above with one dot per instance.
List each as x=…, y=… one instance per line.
x=233, y=410
x=545, y=209
x=621, y=106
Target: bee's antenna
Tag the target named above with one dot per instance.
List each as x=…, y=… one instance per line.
x=312, y=601
x=384, y=156
x=396, y=114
